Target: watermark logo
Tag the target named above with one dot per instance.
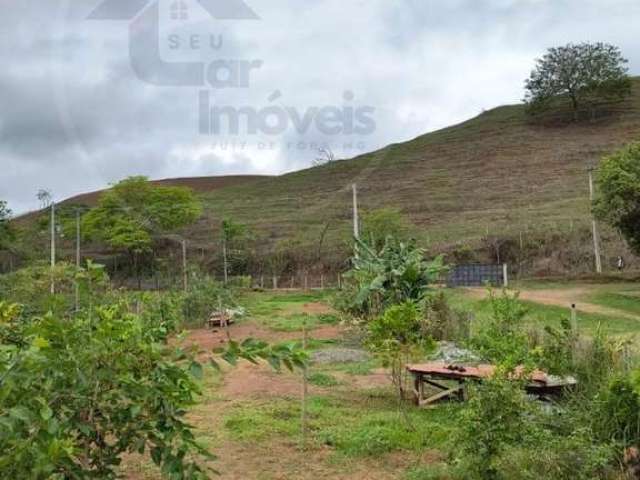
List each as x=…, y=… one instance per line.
x=150, y=46
x=276, y=118
x=145, y=42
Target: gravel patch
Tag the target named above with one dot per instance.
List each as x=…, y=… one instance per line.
x=449, y=352
x=340, y=355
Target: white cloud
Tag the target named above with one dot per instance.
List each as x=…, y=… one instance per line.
x=77, y=118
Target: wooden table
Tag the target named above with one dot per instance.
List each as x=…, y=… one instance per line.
x=433, y=374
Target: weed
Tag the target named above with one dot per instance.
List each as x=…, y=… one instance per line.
x=322, y=380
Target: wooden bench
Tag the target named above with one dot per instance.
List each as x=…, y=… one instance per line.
x=219, y=320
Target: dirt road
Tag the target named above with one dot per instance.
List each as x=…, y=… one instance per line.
x=564, y=297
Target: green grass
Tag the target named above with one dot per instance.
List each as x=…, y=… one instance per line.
x=266, y=304
x=296, y=322
x=323, y=380
x=548, y=315
x=626, y=301
x=439, y=471
x=257, y=422
x=364, y=425
x=354, y=368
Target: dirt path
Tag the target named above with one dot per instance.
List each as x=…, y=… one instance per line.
x=562, y=298
x=279, y=458
x=207, y=339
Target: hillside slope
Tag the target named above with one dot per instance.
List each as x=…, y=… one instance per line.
x=199, y=185
x=496, y=174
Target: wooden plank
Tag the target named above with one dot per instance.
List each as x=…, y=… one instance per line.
x=440, y=396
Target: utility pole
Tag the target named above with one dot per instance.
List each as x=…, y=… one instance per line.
x=53, y=247
x=356, y=225
x=185, y=276
x=77, y=286
x=596, y=243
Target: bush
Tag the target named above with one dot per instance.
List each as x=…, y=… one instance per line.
x=31, y=287
x=84, y=391
x=443, y=322
x=501, y=338
x=204, y=296
x=399, y=336
x=575, y=457
x=496, y=416
x=616, y=413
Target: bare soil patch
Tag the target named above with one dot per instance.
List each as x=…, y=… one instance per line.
x=317, y=308
x=207, y=339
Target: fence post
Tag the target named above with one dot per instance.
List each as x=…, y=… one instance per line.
x=274, y=281
x=305, y=389
x=322, y=281
x=505, y=275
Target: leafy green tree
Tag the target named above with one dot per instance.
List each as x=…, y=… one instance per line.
x=80, y=392
x=618, y=199
x=379, y=224
x=398, y=337
x=134, y=211
x=7, y=234
x=586, y=74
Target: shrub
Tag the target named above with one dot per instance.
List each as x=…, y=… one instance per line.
x=616, y=413
x=555, y=354
x=398, y=337
x=204, y=296
x=501, y=338
x=443, y=322
x=574, y=457
x=85, y=390
x=30, y=287
x=392, y=275
x=496, y=417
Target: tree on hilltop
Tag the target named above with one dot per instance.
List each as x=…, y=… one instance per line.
x=585, y=74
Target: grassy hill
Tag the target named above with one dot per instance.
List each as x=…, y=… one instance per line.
x=197, y=184
x=496, y=174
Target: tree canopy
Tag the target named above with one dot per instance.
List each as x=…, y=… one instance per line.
x=618, y=200
x=586, y=74
x=379, y=224
x=131, y=213
x=6, y=232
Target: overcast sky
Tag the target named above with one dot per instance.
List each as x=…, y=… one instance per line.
x=76, y=113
